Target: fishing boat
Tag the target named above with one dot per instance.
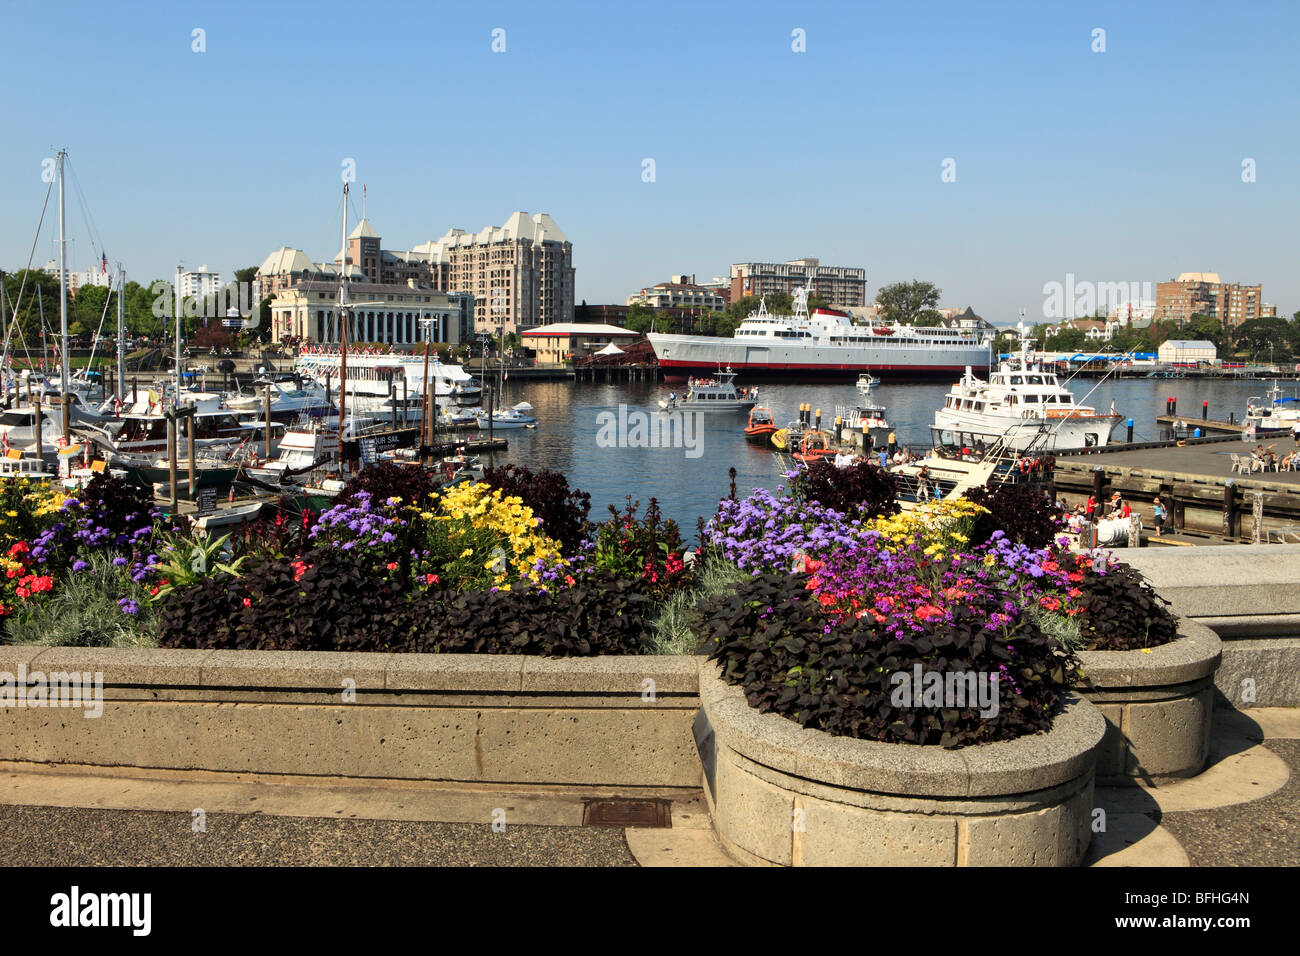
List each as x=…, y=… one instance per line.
x=515, y=417
x=814, y=446
x=717, y=393
x=760, y=426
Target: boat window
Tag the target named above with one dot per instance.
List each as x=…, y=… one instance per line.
x=1017, y=380
x=15, y=418
x=1034, y=379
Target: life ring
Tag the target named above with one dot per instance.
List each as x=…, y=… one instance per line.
x=1023, y=464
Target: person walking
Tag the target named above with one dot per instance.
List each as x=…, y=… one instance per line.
x=1159, y=514
x=893, y=444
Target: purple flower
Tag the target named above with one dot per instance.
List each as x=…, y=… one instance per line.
x=79, y=565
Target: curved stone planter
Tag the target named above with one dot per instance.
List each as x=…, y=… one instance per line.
x=1157, y=706
x=781, y=794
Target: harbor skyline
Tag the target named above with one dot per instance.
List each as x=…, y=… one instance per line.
x=909, y=171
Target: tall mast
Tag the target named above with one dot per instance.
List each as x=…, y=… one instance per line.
x=121, y=333
x=63, y=285
x=178, y=340
x=343, y=323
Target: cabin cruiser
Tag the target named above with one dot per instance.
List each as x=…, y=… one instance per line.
x=1018, y=401
x=18, y=429
x=1279, y=411
x=292, y=397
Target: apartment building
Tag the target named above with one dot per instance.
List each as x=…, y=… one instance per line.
x=680, y=292
x=843, y=287
x=1205, y=293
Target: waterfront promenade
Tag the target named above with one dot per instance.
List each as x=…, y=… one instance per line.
x=1244, y=810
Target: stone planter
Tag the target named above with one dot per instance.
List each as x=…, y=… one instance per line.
x=781, y=794
x=1157, y=706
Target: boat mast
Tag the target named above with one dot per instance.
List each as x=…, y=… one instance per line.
x=63, y=284
x=178, y=340
x=343, y=323
x=121, y=333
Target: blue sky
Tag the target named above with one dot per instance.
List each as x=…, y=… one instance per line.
x=1117, y=166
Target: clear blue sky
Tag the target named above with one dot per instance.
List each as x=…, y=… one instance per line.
x=1117, y=166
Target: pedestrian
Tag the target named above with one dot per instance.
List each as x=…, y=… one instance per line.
x=1090, y=509
x=923, y=482
x=1158, y=515
x=893, y=443
x=884, y=458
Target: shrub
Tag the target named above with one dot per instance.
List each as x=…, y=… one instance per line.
x=1118, y=610
x=648, y=550
x=862, y=490
x=323, y=601
x=384, y=480
x=563, y=510
x=1023, y=511
x=837, y=673
x=601, y=615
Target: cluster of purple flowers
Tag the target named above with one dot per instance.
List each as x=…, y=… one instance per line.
x=766, y=531
x=347, y=525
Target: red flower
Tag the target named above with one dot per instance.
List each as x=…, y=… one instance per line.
x=18, y=548
x=431, y=579
x=927, y=612
x=1049, y=602
x=248, y=602
x=392, y=565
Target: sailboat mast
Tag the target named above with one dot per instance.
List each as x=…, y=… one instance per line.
x=63, y=284
x=121, y=333
x=343, y=324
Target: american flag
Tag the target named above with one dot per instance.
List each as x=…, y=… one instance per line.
x=103, y=264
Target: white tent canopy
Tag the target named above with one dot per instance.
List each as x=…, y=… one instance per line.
x=610, y=349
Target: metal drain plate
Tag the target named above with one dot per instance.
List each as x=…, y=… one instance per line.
x=627, y=813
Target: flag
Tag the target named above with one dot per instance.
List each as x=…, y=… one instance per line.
x=103, y=265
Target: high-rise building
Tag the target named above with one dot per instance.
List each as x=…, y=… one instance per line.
x=200, y=282
x=1205, y=293
x=521, y=273
x=842, y=287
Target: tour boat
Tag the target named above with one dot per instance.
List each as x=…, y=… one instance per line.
x=717, y=393
x=761, y=426
x=1026, y=404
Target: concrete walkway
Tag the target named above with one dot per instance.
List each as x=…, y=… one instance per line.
x=1244, y=810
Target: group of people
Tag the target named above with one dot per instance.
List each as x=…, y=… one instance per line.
x=1094, y=511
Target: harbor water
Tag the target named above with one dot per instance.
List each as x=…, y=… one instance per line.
x=689, y=481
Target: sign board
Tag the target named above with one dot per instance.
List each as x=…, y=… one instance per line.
x=233, y=323
x=374, y=446
x=207, y=501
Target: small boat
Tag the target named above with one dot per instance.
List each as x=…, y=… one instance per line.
x=462, y=466
x=224, y=517
x=867, y=381
x=784, y=439
x=515, y=417
x=814, y=446
x=760, y=427
x=14, y=465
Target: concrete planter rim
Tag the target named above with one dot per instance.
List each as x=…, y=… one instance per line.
x=1031, y=763
x=1193, y=655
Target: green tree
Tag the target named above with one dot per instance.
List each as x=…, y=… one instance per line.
x=1067, y=340
x=86, y=309
x=903, y=303
x=1205, y=328
x=1260, y=335
x=639, y=318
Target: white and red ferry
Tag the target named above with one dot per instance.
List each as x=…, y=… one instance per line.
x=826, y=343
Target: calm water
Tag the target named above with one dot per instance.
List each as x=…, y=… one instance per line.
x=565, y=439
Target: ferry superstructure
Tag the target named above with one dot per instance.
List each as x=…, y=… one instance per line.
x=825, y=343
